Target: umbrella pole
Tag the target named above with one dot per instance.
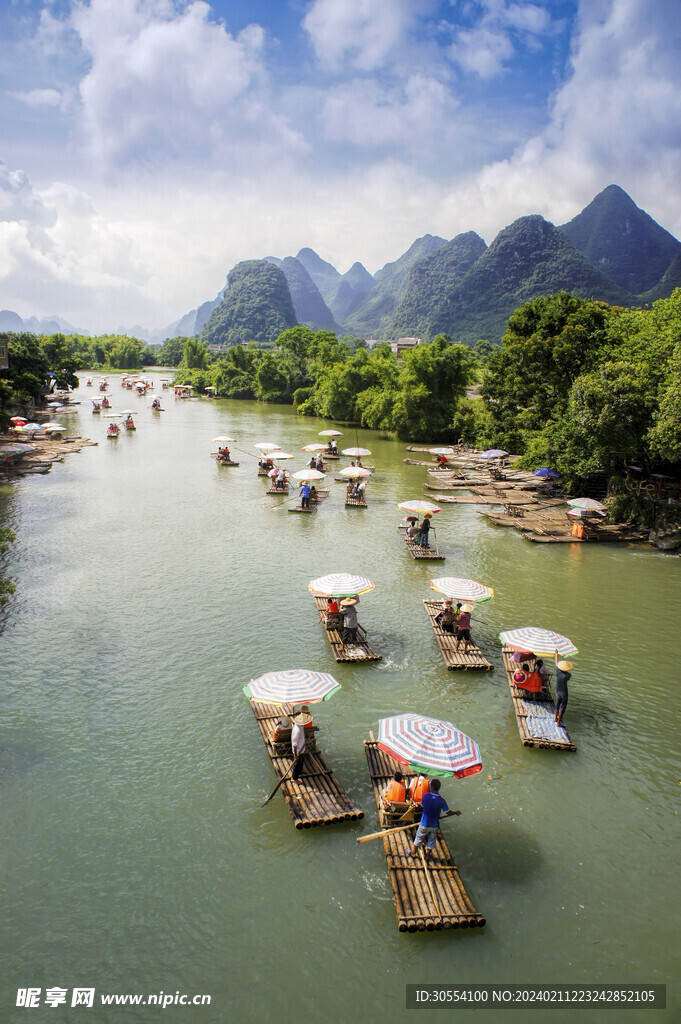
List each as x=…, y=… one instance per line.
x=430, y=884
x=437, y=549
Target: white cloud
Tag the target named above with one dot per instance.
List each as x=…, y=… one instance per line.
x=411, y=116
x=38, y=97
x=365, y=33
x=487, y=48
x=616, y=119
x=58, y=253
x=166, y=83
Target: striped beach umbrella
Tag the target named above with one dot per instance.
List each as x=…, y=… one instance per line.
x=306, y=474
x=588, y=503
x=442, y=451
x=419, y=506
x=264, y=446
x=429, y=745
x=539, y=641
x=330, y=433
x=340, y=584
x=356, y=453
x=462, y=589
x=493, y=453
x=355, y=471
x=316, y=447
x=293, y=686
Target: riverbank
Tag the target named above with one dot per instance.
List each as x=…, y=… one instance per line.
x=43, y=453
x=533, y=506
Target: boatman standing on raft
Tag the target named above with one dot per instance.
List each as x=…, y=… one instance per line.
x=433, y=806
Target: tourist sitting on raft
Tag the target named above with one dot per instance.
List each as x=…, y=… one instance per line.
x=528, y=681
x=418, y=788
x=544, y=674
x=395, y=792
x=313, y=463
x=449, y=616
x=414, y=531
x=331, y=614
x=224, y=454
x=319, y=464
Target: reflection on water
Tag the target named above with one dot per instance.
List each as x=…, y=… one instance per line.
x=153, y=584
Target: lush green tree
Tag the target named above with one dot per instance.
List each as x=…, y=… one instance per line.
x=194, y=354
x=664, y=435
x=171, y=352
x=28, y=367
x=271, y=383
x=549, y=342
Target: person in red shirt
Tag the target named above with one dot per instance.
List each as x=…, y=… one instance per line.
x=463, y=631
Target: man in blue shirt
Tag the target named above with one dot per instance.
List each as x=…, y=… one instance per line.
x=305, y=495
x=433, y=806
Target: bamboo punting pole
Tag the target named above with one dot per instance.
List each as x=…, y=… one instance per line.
x=387, y=832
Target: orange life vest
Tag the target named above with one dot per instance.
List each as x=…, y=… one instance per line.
x=396, y=791
x=419, y=789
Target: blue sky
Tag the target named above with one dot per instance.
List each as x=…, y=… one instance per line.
x=148, y=145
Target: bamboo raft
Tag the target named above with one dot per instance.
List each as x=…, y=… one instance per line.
x=416, y=909
x=314, y=502
x=225, y=462
x=353, y=501
x=316, y=797
x=416, y=551
x=277, y=490
x=359, y=651
x=264, y=472
x=535, y=717
x=434, y=466
x=473, y=658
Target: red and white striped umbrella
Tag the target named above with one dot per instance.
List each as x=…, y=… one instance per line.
x=314, y=447
x=429, y=745
x=537, y=640
x=340, y=584
x=264, y=446
x=293, y=686
x=442, y=451
x=330, y=433
x=462, y=589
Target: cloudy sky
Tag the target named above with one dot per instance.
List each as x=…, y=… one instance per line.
x=148, y=145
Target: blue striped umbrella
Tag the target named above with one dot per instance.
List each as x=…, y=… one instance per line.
x=295, y=686
x=340, y=584
x=462, y=589
x=429, y=745
x=493, y=453
x=537, y=640
x=546, y=472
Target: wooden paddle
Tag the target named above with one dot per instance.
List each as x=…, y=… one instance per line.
x=282, y=779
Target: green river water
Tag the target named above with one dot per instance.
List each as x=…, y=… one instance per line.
x=152, y=584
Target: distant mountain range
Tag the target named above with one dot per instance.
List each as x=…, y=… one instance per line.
x=612, y=251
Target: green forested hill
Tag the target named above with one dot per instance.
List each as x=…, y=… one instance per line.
x=325, y=276
x=373, y=317
x=667, y=284
x=530, y=258
x=308, y=304
x=256, y=307
x=352, y=288
x=431, y=281
x=623, y=241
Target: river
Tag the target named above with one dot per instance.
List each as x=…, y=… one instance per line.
x=152, y=584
